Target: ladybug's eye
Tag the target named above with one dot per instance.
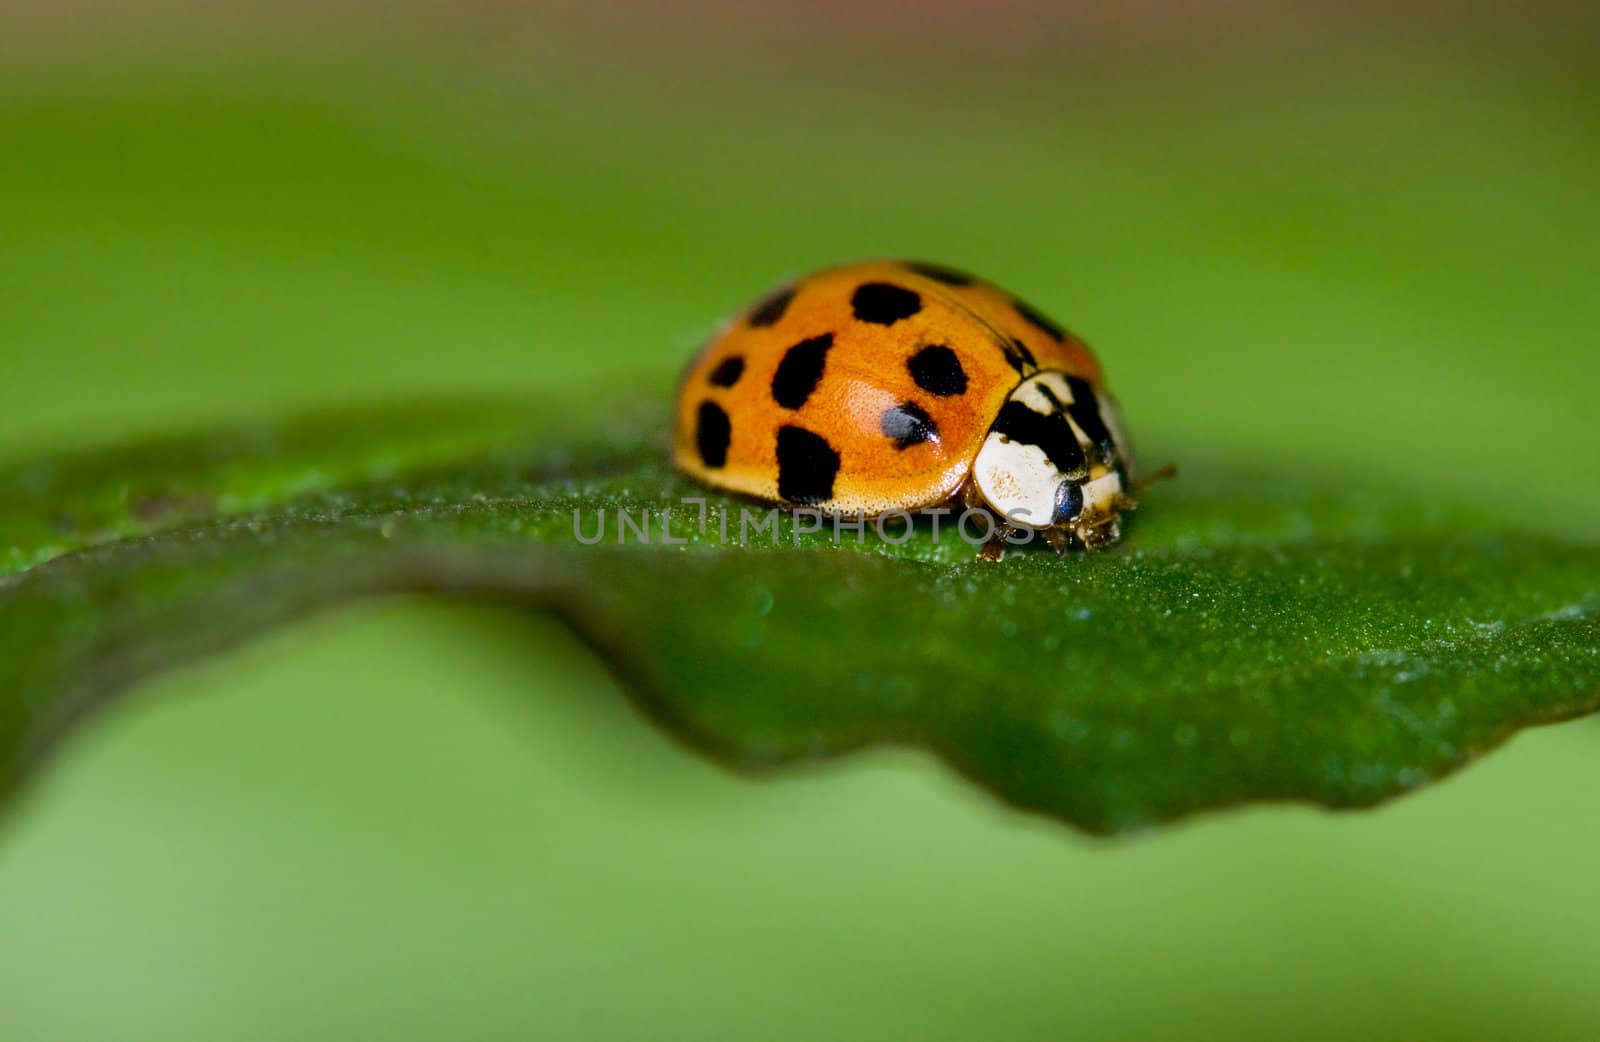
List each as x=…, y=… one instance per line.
x=1069, y=502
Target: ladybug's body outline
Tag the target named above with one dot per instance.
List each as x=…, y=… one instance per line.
x=888, y=386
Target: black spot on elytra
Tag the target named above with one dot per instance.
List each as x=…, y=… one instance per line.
x=711, y=434
x=1050, y=431
x=800, y=371
x=1019, y=357
x=937, y=370
x=727, y=372
x=807, y=465
x=883, y=303
x=940, y=273
x=1085, y=410
x=1038, y=319
x=769, y=311
x=908, y=424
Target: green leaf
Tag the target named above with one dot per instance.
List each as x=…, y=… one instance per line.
x=1258, y=636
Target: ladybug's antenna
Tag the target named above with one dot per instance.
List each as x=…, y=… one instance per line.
x=1166, y=473
x=1130, y=499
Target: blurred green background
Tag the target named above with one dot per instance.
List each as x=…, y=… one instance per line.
x=1359, y=240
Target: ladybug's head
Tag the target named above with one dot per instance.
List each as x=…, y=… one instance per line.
x=1055, y=459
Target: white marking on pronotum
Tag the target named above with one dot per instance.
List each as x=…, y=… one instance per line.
x=1019, y=481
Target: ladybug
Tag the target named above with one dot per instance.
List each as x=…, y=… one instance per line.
x=892, y=386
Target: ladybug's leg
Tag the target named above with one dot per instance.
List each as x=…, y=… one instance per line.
x=1102, y=535
x=1060, y=540
x=995, y=548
